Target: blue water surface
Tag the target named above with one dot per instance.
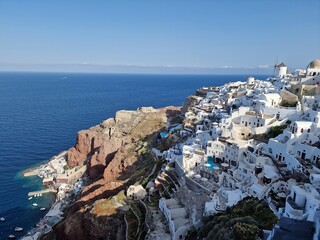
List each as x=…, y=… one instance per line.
x=211, y=163
x=40, y=114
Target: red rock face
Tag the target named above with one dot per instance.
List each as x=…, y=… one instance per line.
x=78, y=154
x=104, y=150
x=85, y=226
x=95, y=146
x=100, y=144
x=111, y=149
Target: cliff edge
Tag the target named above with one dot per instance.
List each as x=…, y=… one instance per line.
x=117, y=154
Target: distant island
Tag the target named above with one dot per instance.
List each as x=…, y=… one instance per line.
x=238, y=161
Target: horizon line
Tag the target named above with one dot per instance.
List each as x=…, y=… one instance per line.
x=152, y=69
x=136, y=73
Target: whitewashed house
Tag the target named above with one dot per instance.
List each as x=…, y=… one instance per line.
x=176, y=216
x=136, y=192
x=302, y=203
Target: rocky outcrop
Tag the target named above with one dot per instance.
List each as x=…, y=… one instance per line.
x=98, y=145
x=82, y=148
x=117, y=155
x=87, y=225
x=288, y=97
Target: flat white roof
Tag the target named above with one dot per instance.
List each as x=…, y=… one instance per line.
x=180, y=222
x=171, y=202
x=178, y=212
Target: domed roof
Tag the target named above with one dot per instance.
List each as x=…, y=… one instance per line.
x=314, y=64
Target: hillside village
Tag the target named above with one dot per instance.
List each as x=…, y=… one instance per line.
x=258, y=138
x=245, y=152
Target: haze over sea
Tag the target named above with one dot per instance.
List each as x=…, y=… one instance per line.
x=41, y=113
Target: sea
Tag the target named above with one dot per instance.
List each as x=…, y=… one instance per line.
x=41, y=113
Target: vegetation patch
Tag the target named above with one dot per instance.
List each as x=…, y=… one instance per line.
x=246, y=220
x=275, y=131
x=285, y=103
x=107, y=207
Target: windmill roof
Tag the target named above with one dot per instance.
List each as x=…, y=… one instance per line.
x=282, y=65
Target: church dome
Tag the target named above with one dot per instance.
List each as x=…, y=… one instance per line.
x=314, y=64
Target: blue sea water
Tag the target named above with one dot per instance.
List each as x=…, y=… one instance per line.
x=40, y=114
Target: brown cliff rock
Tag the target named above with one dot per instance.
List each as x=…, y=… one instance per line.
x=100, y=144
x=78, y=154
x=117, y=154
x=86, y=225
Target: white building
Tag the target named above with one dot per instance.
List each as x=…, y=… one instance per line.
x=302, y=203
x=250, y=80
x=136, y=192
x=312, y=74
x=176, y=216
x=267, y=100
x=300, y=127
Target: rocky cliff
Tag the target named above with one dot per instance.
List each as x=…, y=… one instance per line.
x=117, y=154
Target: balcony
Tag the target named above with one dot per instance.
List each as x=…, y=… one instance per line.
x=293, y=210
x=293, y=204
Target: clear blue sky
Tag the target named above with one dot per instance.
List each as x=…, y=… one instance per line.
x=179, y=33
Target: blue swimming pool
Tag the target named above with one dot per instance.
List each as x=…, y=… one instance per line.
x=163, y=134
x=212, y=165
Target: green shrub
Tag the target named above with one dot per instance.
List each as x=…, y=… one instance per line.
x=244, y=231
x=287, y=104
x=275, y=131
x=247, y=218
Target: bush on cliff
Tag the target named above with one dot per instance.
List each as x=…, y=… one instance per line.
x=245, y=231
x=275, y=131
x=243, y=221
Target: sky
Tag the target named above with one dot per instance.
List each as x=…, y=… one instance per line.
x=148, y=35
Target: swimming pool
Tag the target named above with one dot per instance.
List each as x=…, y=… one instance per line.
x=163, y=134
x=212, y=165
